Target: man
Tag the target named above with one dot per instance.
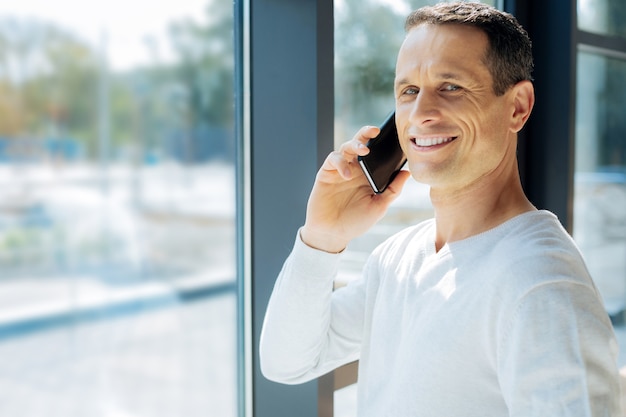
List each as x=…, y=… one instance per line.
x=485, y=310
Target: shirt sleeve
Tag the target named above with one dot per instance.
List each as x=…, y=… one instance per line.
x=558, y=354
x=309, y=329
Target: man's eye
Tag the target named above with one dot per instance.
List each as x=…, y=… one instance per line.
x=411, y=91
x=451, y=87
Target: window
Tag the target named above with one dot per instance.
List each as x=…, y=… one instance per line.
x=605, y=17
x=117, y=209
x=600, y=219
x=600, y=152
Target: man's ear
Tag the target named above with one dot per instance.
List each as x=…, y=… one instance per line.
x=523, y=96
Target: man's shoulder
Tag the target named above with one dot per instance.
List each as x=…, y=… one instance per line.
x=538, y=235
x=535, y=251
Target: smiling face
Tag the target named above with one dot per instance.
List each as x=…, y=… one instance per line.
x=453, y=129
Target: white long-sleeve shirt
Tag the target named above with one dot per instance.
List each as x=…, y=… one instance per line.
x=505, y=323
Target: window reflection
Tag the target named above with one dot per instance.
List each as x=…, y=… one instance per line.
x=600, y=178
x=117, y=206
x=606, y=17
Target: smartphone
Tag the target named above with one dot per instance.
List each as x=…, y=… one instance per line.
x=386, y=158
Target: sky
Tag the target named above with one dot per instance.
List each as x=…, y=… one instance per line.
x=125, y=24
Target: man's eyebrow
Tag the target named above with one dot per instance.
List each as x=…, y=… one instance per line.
x=400, y=82
x=451, y=76
x=446, y=76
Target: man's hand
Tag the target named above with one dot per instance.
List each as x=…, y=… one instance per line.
x=342, y=204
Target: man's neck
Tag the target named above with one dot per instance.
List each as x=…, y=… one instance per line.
x=478, y=207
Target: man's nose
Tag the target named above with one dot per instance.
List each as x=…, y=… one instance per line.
x=425, y=108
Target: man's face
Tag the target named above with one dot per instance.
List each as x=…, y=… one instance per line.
x=453, y=129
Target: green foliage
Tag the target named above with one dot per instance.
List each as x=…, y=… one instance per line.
x=48, y=74
x=367, y=39
x=206, y=64
x=50, y=78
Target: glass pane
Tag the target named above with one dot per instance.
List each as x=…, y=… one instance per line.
x=117, y=241
x=368, y=34
x=600, y=178
x=606, y=17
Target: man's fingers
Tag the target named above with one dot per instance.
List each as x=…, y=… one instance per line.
x=345, y=160
x=395, y=187
x=336, y=163
x=359, y=141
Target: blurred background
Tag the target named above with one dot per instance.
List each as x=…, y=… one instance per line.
x=117, y=207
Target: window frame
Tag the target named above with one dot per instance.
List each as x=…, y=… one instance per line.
x=285, y=117
x=547, y=143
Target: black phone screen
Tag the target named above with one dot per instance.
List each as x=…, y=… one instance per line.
x=385, y=158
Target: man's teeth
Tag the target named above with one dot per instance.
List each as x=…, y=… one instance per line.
x=431, y=141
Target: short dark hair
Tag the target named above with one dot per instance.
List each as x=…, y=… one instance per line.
x=509, y=55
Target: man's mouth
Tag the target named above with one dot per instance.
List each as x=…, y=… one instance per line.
x=428, y=142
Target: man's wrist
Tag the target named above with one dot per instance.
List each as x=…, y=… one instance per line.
x=325, y=242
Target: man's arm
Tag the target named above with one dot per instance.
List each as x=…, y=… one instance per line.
x=304, y=335
x=299, y=341
x=558, y=354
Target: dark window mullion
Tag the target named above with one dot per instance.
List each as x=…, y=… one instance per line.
x=290, y=129
x=605, y=44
